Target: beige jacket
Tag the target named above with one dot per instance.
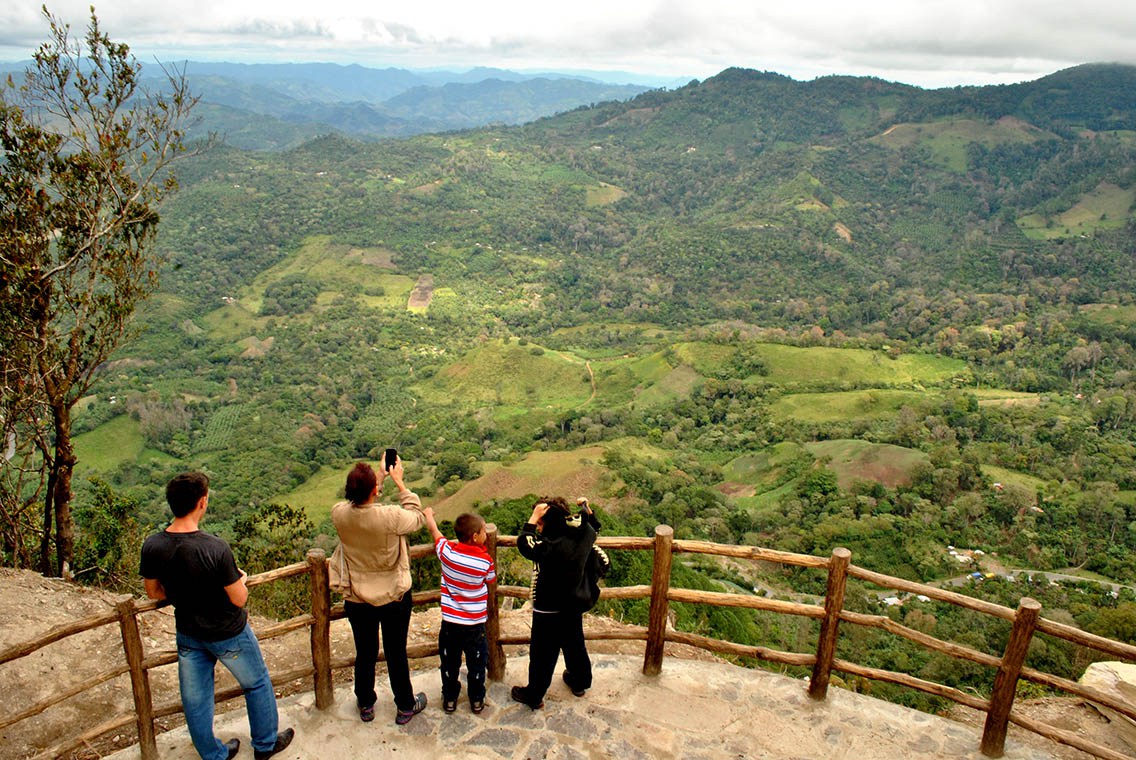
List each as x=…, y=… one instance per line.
x=374, y=544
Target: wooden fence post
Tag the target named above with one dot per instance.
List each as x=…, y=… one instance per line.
x=139, y=678
x=321, y=629
x=660, y=607
x=496, y=669
x=830, y=624
x=1006, y=681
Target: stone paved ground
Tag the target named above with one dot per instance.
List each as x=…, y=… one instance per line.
x=693, y=711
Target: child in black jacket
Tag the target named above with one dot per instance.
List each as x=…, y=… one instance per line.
x=566, y=565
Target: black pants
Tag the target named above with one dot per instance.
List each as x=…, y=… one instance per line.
x=553, y=633
x=453, y=640
x=394, y=619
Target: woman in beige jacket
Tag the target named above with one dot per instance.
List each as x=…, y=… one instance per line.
x=373, y=537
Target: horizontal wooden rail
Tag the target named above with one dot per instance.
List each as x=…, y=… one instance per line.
x=78, y=626
x=750, y=552
x=942, y=595
x=280, y=573
x=65, y=747
x=88, y=683
x=1086, y=639
x=740, y=650
x=1121, y=705
x=723, y=599
x=885, y=623
x=1067, y=738
x=902, y=679
x=628, y=633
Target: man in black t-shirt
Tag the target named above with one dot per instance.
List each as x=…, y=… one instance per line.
x=197, y=573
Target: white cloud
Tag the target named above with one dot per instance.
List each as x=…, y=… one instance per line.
x=929, y=42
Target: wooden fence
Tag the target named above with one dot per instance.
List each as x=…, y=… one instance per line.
x=1010, y=668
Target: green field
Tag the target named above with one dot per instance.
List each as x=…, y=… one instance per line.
x=1105, y=207
x=789, y=364
x=336, y=268
x=510, y=375
x=948, y=140
x=844, y=405
x=854, y=460
x=116, y=442
x=1012, y=477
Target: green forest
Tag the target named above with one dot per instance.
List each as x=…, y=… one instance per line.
x=799, y=315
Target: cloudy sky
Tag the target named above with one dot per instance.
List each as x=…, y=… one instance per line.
x=930, y=43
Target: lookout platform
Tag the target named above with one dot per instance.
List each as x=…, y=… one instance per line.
x=692, y=710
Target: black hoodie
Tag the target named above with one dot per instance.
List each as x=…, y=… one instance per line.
x=560, y=555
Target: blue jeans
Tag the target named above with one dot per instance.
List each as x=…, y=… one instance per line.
x=241, y=655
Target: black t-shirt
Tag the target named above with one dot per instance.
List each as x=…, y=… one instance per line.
x=194, y=569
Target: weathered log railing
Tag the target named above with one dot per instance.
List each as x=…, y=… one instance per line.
x=1010, y=668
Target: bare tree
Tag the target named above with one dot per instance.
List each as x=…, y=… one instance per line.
x=87, y=154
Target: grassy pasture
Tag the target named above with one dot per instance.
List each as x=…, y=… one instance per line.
x=508, y=374
x=762, y=468
x=543, y=473
x=853, y=460
x=1012, y=477
x=847, y=405
x=1105, y=207
x=820, y=365
x=1109, y=314
x=336, y=268
x=948, y=139
x=603, y=194
x=116, y=442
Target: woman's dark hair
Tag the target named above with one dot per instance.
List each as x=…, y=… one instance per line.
x=557, y=515
x=361, y=483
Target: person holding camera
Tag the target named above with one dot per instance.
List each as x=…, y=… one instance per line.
x=373, y=541
x=566, y=568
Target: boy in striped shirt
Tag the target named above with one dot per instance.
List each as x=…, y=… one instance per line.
x=466, y=571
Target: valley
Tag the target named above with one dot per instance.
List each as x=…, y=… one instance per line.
x=797, y=315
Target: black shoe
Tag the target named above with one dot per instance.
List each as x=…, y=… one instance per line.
x=402, y=717
x=477, y=705
x=575, y=691
x=367, y=714
x=518, y=695
x=449, y=705
x=283, y=739
x=234, y=746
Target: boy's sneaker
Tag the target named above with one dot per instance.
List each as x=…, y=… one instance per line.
x=233, y=746
x=367, y=714
x=575, y=691
x=449, y=705
x=402, y=717
x=477, y=705
x=518, y=695
x=283, y=739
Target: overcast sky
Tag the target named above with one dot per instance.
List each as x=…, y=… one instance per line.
x=930, y=43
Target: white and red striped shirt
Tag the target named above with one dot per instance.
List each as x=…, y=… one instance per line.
x=466, y=569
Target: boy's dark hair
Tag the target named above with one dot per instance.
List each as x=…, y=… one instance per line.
x=467, y=525
x=185, y=490
x=361, y=482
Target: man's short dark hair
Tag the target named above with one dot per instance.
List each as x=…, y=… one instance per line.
x=185, y=490
x=467, y=525
x=361, y=482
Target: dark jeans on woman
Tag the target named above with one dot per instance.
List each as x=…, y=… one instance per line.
x=553, y=633
x=453, y=640
x=394, y=619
